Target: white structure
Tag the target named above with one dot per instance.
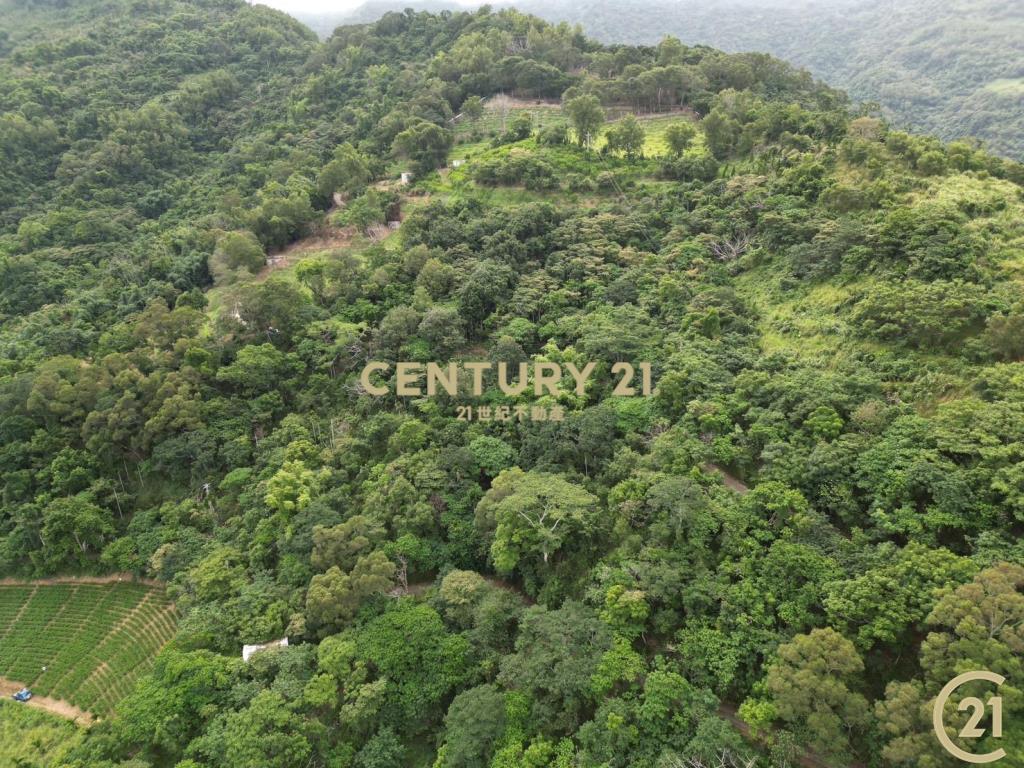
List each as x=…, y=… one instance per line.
x=249, y=650
x=456, y=163
x=406, y=177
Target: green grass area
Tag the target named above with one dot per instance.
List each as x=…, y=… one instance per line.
x=1006, y=86
x=474, y=135
x=807, y=322
x=654, y=127
x=33, y=739
x=86, y=644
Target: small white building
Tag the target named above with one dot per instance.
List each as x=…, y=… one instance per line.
x=457, y=163
x=406, y=177
x=249, y=650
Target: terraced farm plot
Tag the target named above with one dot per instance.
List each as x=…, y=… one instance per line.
x=500, y=111
x=85, y=644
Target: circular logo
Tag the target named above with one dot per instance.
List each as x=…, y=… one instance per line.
x=977, y=707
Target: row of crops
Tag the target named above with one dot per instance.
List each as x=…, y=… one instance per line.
x=84, y=643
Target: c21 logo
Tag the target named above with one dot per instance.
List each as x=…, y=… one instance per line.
x=978, y=707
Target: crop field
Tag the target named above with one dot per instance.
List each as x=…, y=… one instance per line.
x=85, y=644
x=500, y=111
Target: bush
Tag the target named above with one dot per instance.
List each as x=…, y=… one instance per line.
x=554, y=135
x=236, y=252
x=935, y=315
x=516, y=168
x=689, y=168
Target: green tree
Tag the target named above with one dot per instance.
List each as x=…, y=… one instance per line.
x=532, y=514
x=236, y=251
x=348, y=171
x=334, y=597
x=473, y=108
x=721, y=133
x=460, y=594
x=425, y=144
x=975, y=627
x=265, y=733
x=679, y=137
x=259, y=368
x=557, y=653
x=343, y=544
x=74, y=530
x=813, y=685
x=421, y=662
x=894, y=597
x=587, y=117
x=627, y=136
x=473, y=726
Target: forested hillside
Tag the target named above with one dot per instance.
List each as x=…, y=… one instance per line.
x=778, y=558
x=950, y=69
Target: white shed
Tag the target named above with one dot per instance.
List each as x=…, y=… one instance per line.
x=249, y=650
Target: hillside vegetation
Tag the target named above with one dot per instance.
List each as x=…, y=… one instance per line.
x=811, y=524
x=950, y=69
x=33, y=739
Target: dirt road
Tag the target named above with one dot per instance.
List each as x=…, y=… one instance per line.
x=112, y=578
x=53, y=706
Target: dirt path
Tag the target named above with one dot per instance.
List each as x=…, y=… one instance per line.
x=504, y=101
x=53, y=706
x=730, y=480
x=326, y=238
x=112, y=578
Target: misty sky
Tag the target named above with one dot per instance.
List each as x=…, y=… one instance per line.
x=332, y=6
x=336, y=7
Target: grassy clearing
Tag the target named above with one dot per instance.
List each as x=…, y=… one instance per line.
x=1010, y=87
x=655, y=126
x=474, y=135
x=807, y=322
x=86, y=644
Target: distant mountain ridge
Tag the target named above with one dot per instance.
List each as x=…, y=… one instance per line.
x=953, y=69
x=325, y=23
